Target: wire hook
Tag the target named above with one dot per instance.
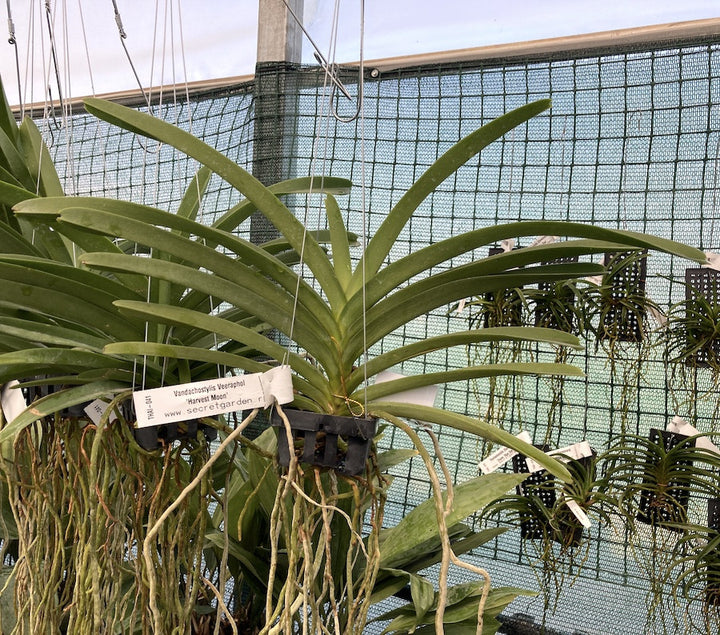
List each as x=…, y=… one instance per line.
x=331, y=72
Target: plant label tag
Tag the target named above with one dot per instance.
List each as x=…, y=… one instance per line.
x=158, y=406
x=713, y=260
x=12, y=400
x=423, y=396
x=461, y=306
x=576, y=451
x=508, y=244
x=96, y=409
x=659, y=316
x=597, y=280
x=501, y=456
x=578, y=512
x=543, y=240
x=680, y=426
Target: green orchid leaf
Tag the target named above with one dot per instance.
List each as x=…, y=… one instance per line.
x=385, y=361
x=385, y=409
x=303, y=185
x=390, y=387
x=263, y=198
x=400, y=543
x=252, y=293
x=38, y=159
x=379, y=246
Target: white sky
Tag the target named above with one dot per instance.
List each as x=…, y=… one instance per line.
x=171, y=41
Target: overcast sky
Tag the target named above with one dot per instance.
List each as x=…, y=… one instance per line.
x=205, y=39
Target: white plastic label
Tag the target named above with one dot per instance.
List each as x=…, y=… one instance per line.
x=12, y=400
x=423, y=396
x=501, y=456
x=578, y=512
x=713, y=260
x=575, y=451
x=543, y=240
x=158, y=406
x=659, y=316
x=680, y=426
x=96, y=409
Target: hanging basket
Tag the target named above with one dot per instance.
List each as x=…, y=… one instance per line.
x=336, y=442
x=623, y=309
x=670, y=505
x=563, y=318
x=540, y=484
x=38, y=391
x=154, y=437
x=502, y=308
x=701, y=282
x=543, y=485
x=712, y=585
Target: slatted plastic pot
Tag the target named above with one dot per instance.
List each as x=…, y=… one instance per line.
x=337, y=442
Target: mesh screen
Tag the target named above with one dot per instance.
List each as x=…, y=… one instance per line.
x=632, y=141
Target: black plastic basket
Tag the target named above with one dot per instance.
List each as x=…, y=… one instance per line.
x=705, y=282
x=152, y=437
x=620, y=321
x=543, y=316
x=712, y=586
x=510, y=299
x=671, y=506
x=542, y=484
x=332, y=441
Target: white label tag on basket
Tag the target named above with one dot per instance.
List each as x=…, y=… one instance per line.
x=713, y=260
x=96, y=409
x=680, y=426
x=578, y=512
x=576, y=451
x=659, y=316
x=12, y=400
x=212, y=397
x=501, y=456
x=544, y=240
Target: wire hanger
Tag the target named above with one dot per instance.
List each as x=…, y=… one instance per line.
x=331, y=71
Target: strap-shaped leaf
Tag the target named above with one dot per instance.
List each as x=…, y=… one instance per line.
x=38, y=159
x=379, y=246
x=307, y=184
x=49, y=334
x=243, y=181
x=253, y=294
x=420, y=525
x=66, y=306
x=381, y=390
x=472, y=426
x=340, y=243
x=195, y=254
x=398, y=355
x=411, y=302
x=238, y=332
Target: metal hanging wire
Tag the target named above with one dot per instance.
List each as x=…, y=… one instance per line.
x=332, y=69
x=330, y=77
x=12, y=40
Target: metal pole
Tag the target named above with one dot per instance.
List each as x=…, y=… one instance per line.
x=279, y=52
